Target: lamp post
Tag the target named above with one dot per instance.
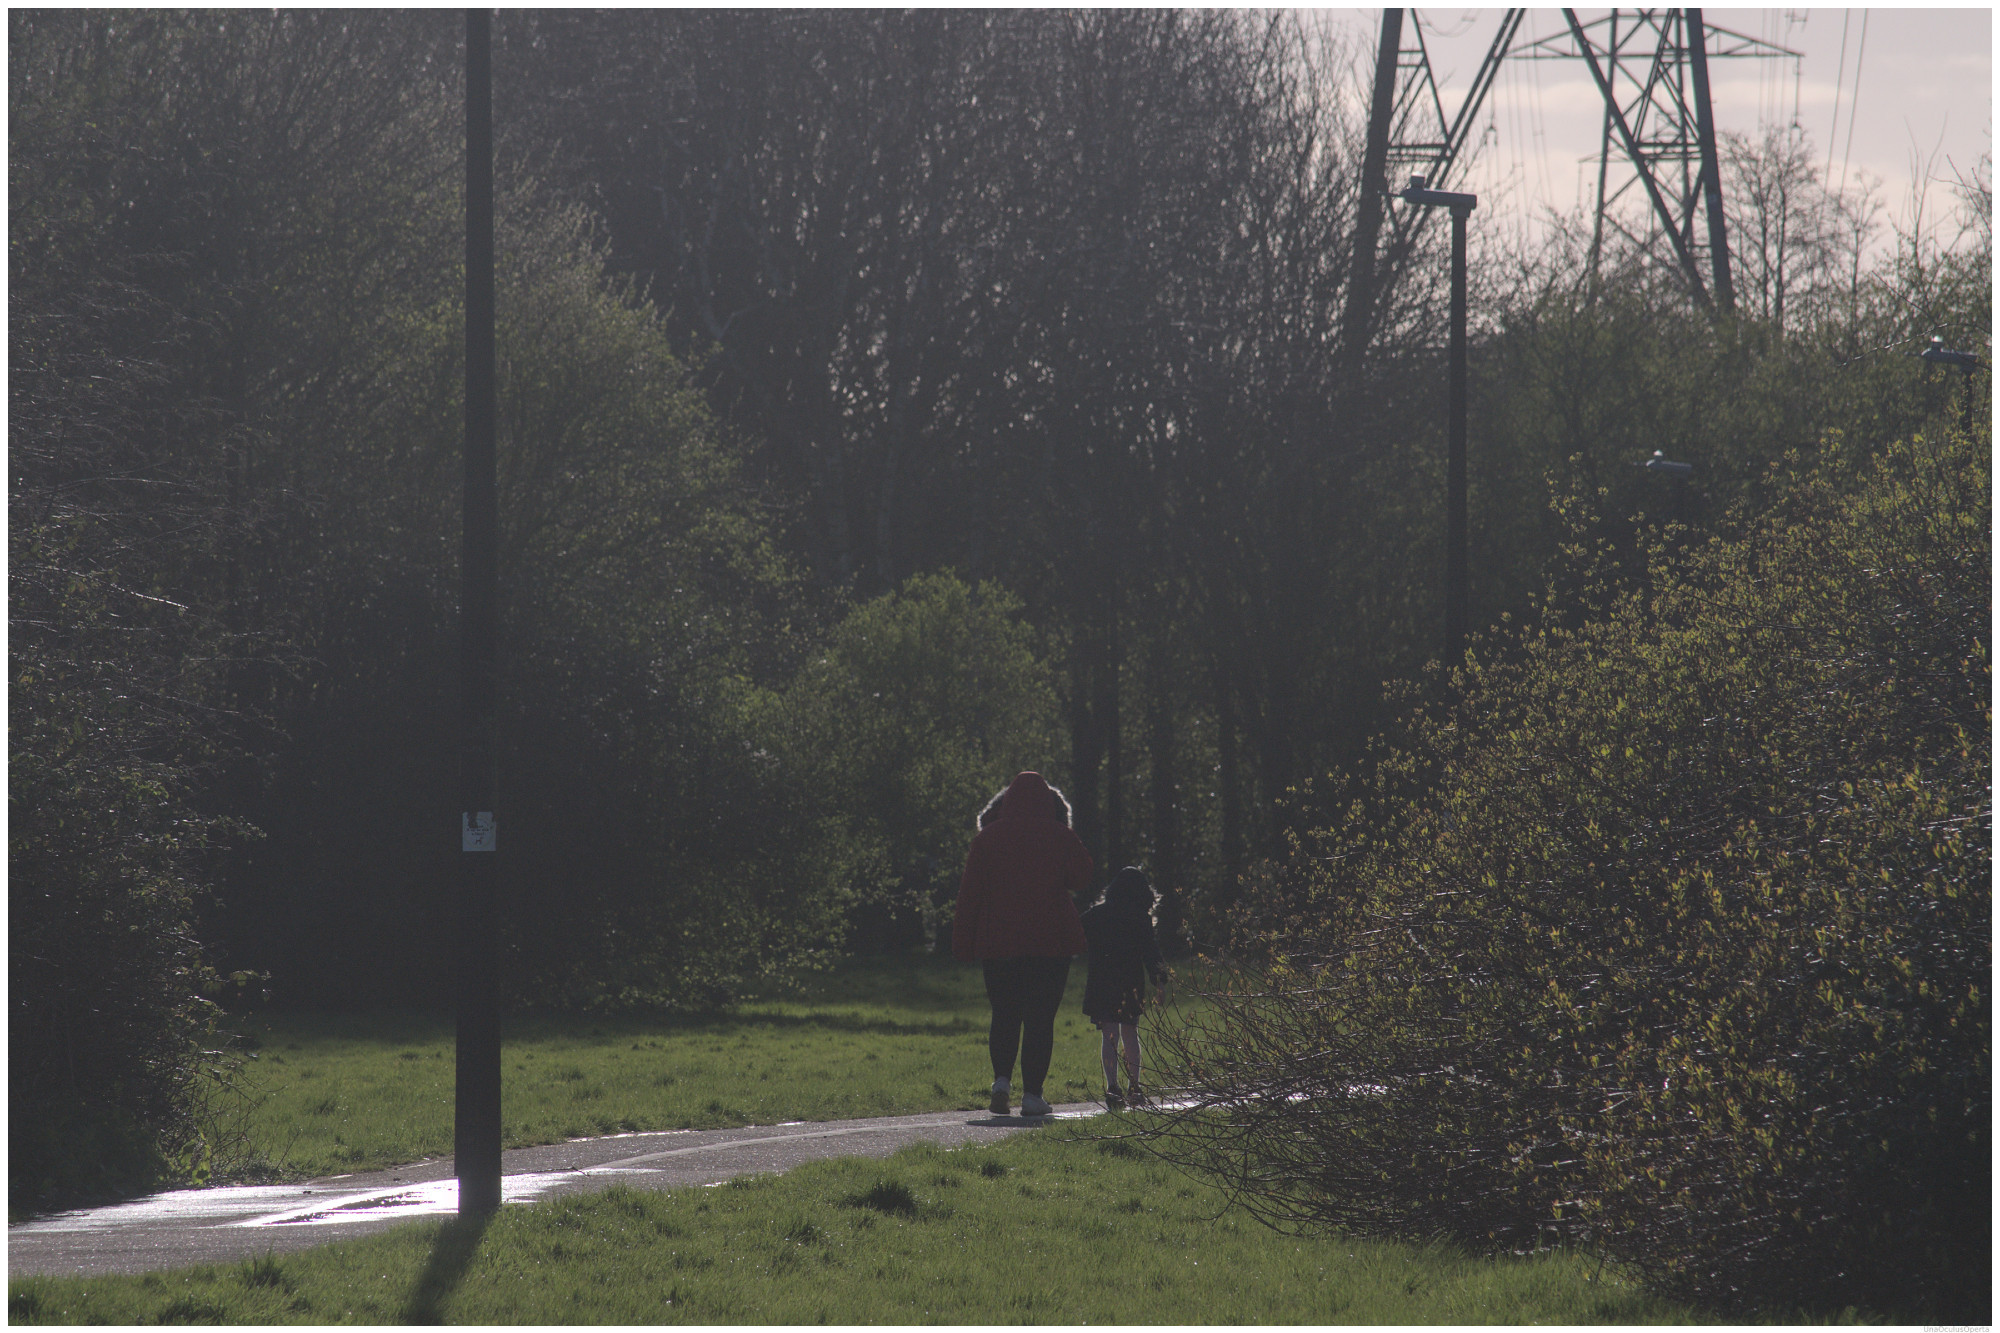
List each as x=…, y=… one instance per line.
x=1457, y=597
x=476, y=1106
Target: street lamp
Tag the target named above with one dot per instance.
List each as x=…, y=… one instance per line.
x=476, y=1098
x=1940, y=355
x=1659, y=465
x=1937, y=354
x=1457, y=601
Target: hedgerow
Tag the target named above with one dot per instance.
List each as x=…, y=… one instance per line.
x=1668, y=933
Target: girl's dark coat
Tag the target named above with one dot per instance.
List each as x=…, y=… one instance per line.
x=1124, y=956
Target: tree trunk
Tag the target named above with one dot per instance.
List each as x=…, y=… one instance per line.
x=1086, y=751
x=1163, y=760
x=1227, y=791
x=1114, y=751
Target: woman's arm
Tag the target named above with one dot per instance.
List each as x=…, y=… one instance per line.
x=972, y=890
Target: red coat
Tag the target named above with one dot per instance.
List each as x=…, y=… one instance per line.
x=1014, y=900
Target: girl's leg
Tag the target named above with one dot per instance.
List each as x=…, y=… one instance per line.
x=1110, y=1052
x=1130, y=1033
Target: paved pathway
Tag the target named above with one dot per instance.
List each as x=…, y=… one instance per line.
x=232, y=1223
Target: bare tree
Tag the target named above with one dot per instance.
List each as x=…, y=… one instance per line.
x=1798, y=245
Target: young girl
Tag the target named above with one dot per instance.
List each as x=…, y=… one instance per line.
x=1124, y=956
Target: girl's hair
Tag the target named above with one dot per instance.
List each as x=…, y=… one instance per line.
x=1130, y=885
x=992, y=810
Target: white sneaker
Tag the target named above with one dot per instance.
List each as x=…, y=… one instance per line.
x=1033, y=1105
x=998, y=1103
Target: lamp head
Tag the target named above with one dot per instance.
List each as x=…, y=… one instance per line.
x=1418, y=191
x=1940, y=355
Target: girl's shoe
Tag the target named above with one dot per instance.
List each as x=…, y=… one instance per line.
x=1134, y=1097
x=1114, y=1098
x=1032, y=1104
x=998, y=1102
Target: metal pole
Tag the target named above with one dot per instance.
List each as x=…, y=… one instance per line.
x=1711, y=171
x=1456, y=598
x=476, y=1138
x=1360, y=313
x=1603, y=169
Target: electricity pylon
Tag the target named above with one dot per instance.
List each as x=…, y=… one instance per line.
x=1651, y=68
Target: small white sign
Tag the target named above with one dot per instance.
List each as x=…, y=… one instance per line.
x=477, y=835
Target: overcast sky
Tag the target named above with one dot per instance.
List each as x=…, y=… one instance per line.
x=1923, y=94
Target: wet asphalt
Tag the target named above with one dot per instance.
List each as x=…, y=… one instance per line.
x=229, y=1224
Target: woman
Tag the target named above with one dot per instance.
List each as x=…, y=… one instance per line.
x=1017, y=917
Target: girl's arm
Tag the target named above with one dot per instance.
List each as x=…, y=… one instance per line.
x=1149, y=950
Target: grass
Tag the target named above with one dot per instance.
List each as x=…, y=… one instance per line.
x=895, y=1036
x=1031, y=1229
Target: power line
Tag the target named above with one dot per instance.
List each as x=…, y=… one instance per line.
x=1796, y=18
x=1854, y=102
x=1769, y=85
x=1839, y=86
x=1541, y=140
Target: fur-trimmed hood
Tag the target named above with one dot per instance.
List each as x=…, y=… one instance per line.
x=1036, y=794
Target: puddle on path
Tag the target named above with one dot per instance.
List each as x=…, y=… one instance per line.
x=207, y=1205
x=434, y=1198
x=294, y=1205
x=285, y=1205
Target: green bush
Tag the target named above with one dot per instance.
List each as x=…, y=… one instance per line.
x=108, y=1015
x=660, y=856
x=1671, y=932
x=925, y=702
x=1588, y=371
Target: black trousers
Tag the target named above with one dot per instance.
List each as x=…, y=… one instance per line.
x=1025, y=994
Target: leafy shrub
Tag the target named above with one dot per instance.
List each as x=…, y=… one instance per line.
x=107, y=1013
x=924, y=702
x=113, y=716
x=661, y=854
x=1671, y=932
